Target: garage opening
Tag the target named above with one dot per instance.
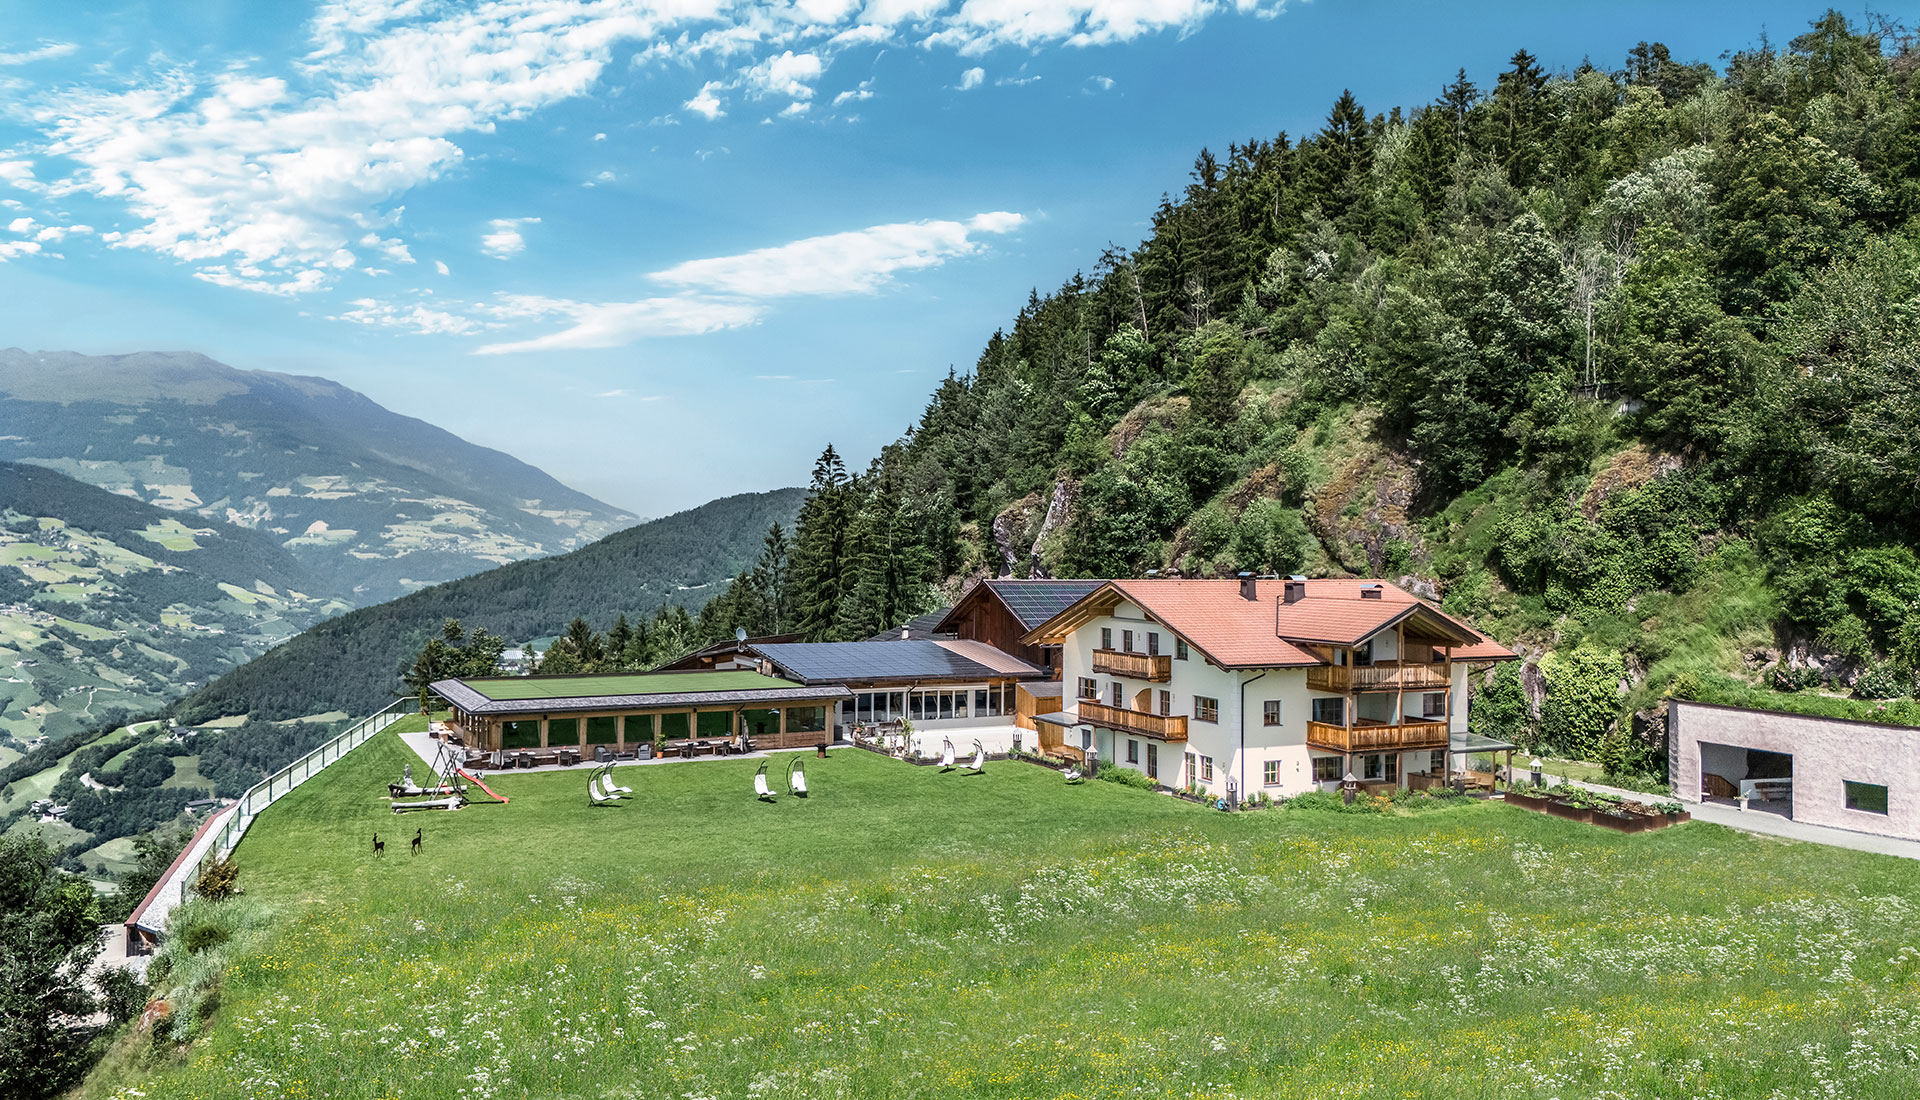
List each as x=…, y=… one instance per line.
x=1764, y=779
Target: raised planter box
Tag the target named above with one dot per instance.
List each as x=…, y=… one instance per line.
x=1622, y=821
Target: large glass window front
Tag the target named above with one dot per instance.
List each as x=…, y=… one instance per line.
x=713, y=724
x=603, y=730
x=760, y=723
x=806, y=719
x=520, y=735
x=676, y=726
x=562, y=732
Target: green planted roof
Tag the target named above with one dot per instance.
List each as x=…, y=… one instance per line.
x=633, y=683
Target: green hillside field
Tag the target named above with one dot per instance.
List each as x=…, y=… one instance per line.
x=909, y=932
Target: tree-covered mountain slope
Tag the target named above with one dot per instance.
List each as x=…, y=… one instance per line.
x=112, y=606
x=354, y=662
x=1622, y=365
x=376, y=503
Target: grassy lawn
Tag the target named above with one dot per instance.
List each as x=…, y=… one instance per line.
x=909, y=933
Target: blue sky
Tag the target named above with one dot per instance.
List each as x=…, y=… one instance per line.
x=665, y=249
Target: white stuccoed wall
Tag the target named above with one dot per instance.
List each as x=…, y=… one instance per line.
x=1826, y=752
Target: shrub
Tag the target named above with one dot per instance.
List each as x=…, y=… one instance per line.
x=218, y=879
x=1328, y=800
x=1786, y=677
x=1879, y=682
x=122, y=994
x=1126, y=777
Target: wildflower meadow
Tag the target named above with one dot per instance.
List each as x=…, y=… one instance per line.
x=906, y=932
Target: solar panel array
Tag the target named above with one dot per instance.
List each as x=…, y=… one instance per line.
x=1034, y=602
x=840, y=661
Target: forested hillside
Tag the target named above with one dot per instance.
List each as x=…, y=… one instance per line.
x=1620, y=363
x=355, y=662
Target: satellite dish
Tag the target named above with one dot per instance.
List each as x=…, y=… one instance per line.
x=739, y=633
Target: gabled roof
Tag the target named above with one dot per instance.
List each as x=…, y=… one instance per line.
x=915, y=660
x=1030, y=602
x=1266, y=632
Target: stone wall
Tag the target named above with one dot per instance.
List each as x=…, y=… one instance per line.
x=1827, y=752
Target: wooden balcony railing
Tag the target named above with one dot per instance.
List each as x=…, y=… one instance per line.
x=1153, y=668
x=1404, y=737
x=1163, y=727
x=1384, y=676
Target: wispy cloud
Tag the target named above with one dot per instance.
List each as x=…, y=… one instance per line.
x=733, y=291
x=44, y=53
x=972, y=78
x=858, y=262
x=705, y=103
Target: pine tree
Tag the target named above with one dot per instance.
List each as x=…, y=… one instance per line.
x=819, y=566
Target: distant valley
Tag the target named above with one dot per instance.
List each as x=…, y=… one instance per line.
x=373, y=503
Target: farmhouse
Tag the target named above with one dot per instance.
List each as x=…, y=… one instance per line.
x=617, y=711
x=1248, y=685
x=943, y=687
x=1003, y=612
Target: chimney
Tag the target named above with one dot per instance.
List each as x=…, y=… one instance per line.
x=1370, y=592
x=1296, y=589
x=1249, y=589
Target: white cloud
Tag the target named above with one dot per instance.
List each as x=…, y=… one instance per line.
x=706, y=103
x=415, y=318
x=972, y=78
x=599, y=137
x=10, y=249
x=626, y=393
x=505, y=240
x=790, y=75
x=44, y=53
x=889, y=13
x=855, y=95
x=981, y=25
x=55, y=233
x=19, y=174
x=1100, y=83
x=859, y=262
x=22, y=225
x=441, y=267
x=611, y=324
x=796, y=109
x=391, y=247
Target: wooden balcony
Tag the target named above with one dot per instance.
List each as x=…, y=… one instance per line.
x=1383, y=676
x=1153, y=668
x=1161, y=727
x=1405, y=737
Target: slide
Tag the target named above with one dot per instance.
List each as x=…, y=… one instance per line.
x=475, y=780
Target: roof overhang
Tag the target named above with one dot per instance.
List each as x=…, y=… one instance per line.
x=473, y=702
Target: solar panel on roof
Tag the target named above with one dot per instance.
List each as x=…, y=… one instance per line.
x=873, y=660
x=1034, y=602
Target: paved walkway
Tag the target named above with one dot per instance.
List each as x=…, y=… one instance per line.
x=1772, y=824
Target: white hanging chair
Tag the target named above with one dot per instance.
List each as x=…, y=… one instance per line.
x=796, y=779
x=979, y=758
x=760, y=787
x=946, y=754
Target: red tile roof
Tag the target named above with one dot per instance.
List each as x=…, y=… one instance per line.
x=1266, y=632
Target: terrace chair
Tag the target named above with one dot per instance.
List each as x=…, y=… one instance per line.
x=979, y=758
x=796, y=779
x=946, y=754
x=760, y=787
x=603, y=778
x=599, y=797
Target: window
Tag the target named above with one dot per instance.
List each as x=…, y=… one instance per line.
x=1193, y=768
x=1179, y=649
x=1153, y=760
x=1115, y=697
x=806, y=719
x=1866, y=797
x=1166, y=703
x=604, y=730
x=1326, y=769
x=1270, y=712
x=1434, y=705
x=1393, y=767
x=1206, y=769
x=1270, y=773
x=1106, y=637
x=1332, y=712
x=713, y=724
x=520, y=735
x=563, y=731
x=1126, y=641
x=1133, y=751
x=1437, y=762
x=960, y=703
x=1363, y=654
x=676, y=726
x=1088, y=689
x=916, y=706
x=1371, y=768
x=946, y=704
x=1205, y=709
x=1153, y=643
